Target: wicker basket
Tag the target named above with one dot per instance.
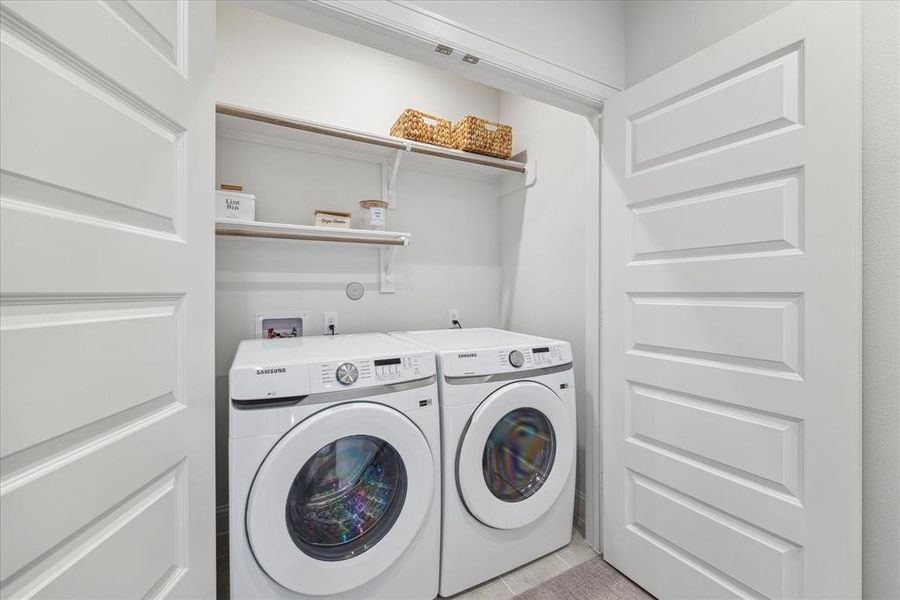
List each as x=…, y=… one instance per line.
x=414, y=125
x=481, y=136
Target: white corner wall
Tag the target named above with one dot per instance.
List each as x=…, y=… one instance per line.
x=881, y=299
x=661, y=33
x=454, y=258
x=544, y=232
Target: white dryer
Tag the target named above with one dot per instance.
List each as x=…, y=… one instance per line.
x=334, y=449
x=508, y=427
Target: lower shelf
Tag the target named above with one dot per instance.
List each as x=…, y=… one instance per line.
x=233, y=227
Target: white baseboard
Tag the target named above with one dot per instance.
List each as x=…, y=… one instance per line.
x=580, y=504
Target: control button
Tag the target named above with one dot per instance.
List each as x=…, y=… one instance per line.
x=346, y=374
x=516, y=358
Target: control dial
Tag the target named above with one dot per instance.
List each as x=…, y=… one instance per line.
x=516, y=358
x=347, y=373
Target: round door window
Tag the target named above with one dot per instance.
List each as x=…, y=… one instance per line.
x=346, y=497
x=518, y=454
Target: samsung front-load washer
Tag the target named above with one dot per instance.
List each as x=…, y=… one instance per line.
x=334, y=450
x=508, y=426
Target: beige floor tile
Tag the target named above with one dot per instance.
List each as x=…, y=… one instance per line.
x=576, y=536
x=577, y=551
x=492, y=590
x=534, y=573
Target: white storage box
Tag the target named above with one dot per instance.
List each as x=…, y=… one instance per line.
x=235, y=205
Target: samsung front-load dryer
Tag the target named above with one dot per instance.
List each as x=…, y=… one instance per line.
x=508, y=425
x=334, y=449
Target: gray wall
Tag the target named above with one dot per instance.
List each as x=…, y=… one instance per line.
x=659, y=34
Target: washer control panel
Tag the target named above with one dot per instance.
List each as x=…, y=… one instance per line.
x=346, y=374
x=367, y=372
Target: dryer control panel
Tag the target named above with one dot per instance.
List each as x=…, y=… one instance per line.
x=532, y=358
x=505, y=359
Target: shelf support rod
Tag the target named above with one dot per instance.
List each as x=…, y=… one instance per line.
x=530, y=170
x=386, y=270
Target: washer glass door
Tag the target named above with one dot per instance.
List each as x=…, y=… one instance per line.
x=340, y=498
x=515, y=455
x=346, y=497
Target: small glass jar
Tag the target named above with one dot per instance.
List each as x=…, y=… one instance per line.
x=374, y=214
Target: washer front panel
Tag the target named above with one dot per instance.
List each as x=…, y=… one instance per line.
x=279, y=554
x=495, y=503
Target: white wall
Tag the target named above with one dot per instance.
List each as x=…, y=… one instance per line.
x=586, y=37
x=454, y=258
x=273, y=65
x=662, y=33
x=881, y=299
x=543, y=236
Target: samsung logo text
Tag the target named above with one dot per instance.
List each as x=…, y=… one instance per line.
x=272, y=371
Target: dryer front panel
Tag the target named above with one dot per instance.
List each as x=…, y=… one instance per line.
x=515, y=455
x=339, y=498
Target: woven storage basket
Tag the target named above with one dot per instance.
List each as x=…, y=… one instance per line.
x=481, y=136
x=414, y=125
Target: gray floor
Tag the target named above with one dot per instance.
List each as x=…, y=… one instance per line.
x=594, y=579
x=532, y=574
x=501, y=588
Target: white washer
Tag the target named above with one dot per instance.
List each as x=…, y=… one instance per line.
x=508, y=426
x=334, y=449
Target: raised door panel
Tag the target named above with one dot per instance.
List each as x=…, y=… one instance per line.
x=101, y=371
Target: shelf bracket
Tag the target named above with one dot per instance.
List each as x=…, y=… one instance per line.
x=530, y=172
x=389, y=170
x=386, y=270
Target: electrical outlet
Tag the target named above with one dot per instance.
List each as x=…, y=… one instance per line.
x=452, y=315
x=329, y=319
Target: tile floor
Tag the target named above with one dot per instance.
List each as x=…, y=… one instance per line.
x=501, y=588
x=532, y=574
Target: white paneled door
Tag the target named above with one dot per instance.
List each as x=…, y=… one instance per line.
x=106, y=290
x=731, y=316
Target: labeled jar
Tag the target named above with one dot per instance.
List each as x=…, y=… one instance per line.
x=374, y=214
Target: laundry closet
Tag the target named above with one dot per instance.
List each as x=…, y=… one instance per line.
x=502, y=242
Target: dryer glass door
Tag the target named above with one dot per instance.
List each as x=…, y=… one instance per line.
x=340, y=498
x=516, y=455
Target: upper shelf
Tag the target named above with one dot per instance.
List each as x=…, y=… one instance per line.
x=244, y=122
x=233, y=227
